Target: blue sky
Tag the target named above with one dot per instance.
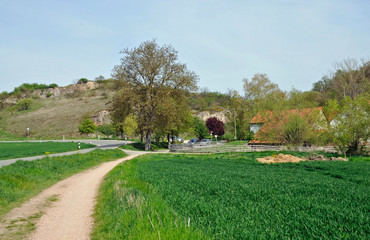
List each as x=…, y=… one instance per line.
x=294, y=42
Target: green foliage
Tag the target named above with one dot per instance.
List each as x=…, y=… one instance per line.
x=82, y=81
x=350, y=128
x=87, y=126
x=24, y=179
x=229, y=136
x=350, y=78
x=49, y=95
x=29, y=87
x=200, y=128
x=106, y=129
x=53, y=85
x=231, y=196
x=27, y=149
x=24, y=104
x=297, y=130
x=207, y=101
x=137, y=146
x=6, y=136
x=130, y=125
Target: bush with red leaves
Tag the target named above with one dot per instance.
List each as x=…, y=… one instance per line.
x=215, y=126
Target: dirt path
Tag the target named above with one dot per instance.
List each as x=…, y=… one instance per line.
x=65, y=208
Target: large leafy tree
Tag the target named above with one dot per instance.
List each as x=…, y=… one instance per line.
x=150, y=77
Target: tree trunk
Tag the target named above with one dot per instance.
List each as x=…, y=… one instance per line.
x=234, y=126
x=141, y=136
x=169, y=141
x=148, y=140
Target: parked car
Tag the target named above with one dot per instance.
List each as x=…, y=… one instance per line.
x=205, y=141
x=177, y=139
x=193, y=140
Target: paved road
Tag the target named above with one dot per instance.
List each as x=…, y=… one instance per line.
x=102, y=144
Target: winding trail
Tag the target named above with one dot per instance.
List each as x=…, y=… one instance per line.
x=72, y=203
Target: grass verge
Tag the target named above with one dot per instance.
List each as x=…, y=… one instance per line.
x=237, y=143
x=5, y=136
x=22, y=180
x=232, y=196
x=27, y=149
x=138, y=146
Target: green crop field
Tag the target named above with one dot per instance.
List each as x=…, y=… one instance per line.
x=27, y=149
x=232, y=196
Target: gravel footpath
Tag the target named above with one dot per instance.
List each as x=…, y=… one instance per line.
x=69, y=215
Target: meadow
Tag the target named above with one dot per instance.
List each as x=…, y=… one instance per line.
x=232, y=196
x=23, y=179
x=26, y=149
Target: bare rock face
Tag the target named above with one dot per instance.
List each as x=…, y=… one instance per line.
x=220, y=115
x=101, y=117
x=60, y=91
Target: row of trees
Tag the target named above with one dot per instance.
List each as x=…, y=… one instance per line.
x=155, y=92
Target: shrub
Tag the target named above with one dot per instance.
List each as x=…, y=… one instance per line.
x=87, y=126
x=49, y=95
x=215, y=126
x=82, y=81
x=199, y=128
x=53, y=85
x=24, y=104
x=106, y=129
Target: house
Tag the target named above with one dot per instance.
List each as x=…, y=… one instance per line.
x=267, y=121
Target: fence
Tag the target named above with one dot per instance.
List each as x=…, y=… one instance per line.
x=221, y=147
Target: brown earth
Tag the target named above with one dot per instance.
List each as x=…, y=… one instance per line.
x=281, y=158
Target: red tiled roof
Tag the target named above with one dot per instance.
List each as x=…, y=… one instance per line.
x=270, y=122
x=265, y=116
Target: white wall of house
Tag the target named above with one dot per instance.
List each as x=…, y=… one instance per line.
x=254, y=127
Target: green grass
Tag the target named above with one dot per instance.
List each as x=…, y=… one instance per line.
x=5, y=136
x=232, y=196
x=27, y=149
x=22, y=180
x=138, y=146
x=237, y=143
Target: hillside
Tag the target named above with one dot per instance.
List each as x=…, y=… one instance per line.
x=57, y=111
x=58, y=114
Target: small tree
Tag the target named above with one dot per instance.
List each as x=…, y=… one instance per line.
x=296, y=130
x=351, y=126
x=292, y=127
x=217, y=127
x=87, y=126
x=24, y=104
x=199, y=128
x=130, y=125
